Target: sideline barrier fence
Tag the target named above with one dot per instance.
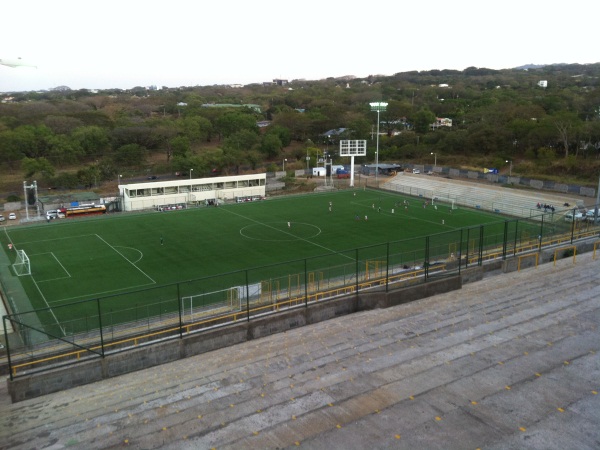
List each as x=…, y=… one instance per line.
x=124, y=321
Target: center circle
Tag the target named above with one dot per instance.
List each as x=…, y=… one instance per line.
x=280, y=231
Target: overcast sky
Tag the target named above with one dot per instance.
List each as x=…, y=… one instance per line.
x=121, y=44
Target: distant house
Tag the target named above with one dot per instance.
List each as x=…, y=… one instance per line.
x=276, y=82
x=334, y=135
x=441, y=122
x=334, y=132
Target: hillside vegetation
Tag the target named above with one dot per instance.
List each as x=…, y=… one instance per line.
x=544, y=122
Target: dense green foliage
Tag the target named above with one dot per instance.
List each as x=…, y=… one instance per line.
x=497, y=115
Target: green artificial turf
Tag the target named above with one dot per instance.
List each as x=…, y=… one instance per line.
x=108, y=257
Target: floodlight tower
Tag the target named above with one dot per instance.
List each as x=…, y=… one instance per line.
x=378, y=107
x=34, y=187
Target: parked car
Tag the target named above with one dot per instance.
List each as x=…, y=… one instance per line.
x=2, y=219
x=590, y=214
x=416, y=171
x=570, y=217
x=12, y=216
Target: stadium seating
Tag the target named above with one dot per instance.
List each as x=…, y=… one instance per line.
x=477, y=195
x=507, y=362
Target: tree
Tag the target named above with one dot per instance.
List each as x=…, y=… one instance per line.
x=130, y=155
x=243, y=140
x=235, y=148
x=297, y=123
x=422, y=120
x=93, y=140
x=234, y=121
x=26, y=140
x=62, y=124
x=283, y=133
x=63, y=149
x=141, y=135
x=180, y=146
x=567, y=124
x=31, y=166
x=89, y=176
x=271, y=146
x=197, y=128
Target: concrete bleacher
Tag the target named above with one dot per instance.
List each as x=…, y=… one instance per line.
x=487, y=197
x=512, y=361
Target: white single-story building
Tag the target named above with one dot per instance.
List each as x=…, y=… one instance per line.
x=157, y=194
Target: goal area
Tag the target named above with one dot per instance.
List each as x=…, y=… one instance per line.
x=22, y=266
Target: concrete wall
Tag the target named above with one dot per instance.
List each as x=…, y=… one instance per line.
x=13, y=206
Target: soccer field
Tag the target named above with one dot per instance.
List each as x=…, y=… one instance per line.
x=124, y=259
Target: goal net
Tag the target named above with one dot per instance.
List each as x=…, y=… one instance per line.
x=21, y=265
x=444, y=203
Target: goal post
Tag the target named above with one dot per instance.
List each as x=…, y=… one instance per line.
x=22, y=265
x=444, y=202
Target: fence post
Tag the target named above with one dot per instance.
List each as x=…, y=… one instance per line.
x=573, y=226
x=179, y=306
x=305, y=284
x=247, y=296
x=480, y=262
x=100, y=325
x=357, y=271
x=467, y=258
x=516, y=234
x=387, y=268
x=10, y=371
x=460, y=241
x=541, y=235
x=426, y=261
x=505, y=240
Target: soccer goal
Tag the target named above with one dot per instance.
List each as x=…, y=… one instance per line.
x=21, y=265
x=444, y=203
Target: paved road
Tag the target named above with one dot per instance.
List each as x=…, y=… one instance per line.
x=511, y=362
